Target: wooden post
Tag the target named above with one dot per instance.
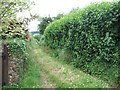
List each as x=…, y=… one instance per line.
x=1, y=64
x=5, y=65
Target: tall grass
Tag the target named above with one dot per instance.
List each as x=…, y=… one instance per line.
x=31, y=77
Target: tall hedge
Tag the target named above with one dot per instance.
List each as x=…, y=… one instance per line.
x=93, y=34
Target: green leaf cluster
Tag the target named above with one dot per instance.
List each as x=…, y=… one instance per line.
x=92, y=33
x=10, y=26
x=12, y=29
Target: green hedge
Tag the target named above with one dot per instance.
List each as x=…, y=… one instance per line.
x=93, y=34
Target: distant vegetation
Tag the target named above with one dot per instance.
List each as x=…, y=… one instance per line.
x=92, y=36
x=45, y=21
x=34, y=32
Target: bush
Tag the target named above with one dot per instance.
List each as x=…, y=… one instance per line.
x=93, y=35
x=37, y=37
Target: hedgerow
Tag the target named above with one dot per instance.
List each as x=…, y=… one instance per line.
x=93, y=34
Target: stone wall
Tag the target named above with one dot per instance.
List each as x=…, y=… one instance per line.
x=11, y=67
x=15, y=69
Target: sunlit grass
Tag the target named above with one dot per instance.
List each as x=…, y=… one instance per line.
x=31, y=78
x=67, y=76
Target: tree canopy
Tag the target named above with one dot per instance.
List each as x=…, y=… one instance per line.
x=10, y=26
x=45, y=21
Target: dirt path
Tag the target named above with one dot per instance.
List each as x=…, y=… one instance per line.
x=46, y=82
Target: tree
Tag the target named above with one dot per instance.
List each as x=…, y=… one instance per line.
x=60, y=15
x=11, y=7
x=45, y=21
x=10, y=26
x=74, y=9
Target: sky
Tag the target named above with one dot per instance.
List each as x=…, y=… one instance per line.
x=54, y=7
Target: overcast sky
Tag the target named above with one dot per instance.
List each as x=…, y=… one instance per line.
x=54, y=7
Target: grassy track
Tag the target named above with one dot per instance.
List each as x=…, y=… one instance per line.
x=62, y=75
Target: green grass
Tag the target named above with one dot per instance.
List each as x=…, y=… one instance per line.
x=31, y=78
x=67, y=57
x=85, y=80
x=59, y=73
x=70, y=77
x=59, y=83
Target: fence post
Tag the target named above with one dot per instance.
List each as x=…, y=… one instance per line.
x=1, y=64
x=4, y=65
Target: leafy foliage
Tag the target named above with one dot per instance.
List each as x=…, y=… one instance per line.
x=10, y=27
x=11, y=7
x=45, y=21
x=92, y=34
x=60, y=15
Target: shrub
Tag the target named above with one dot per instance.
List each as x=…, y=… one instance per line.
x=37, y=37
x=92, y=34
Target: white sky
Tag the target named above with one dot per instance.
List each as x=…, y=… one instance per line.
x=54, y=7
